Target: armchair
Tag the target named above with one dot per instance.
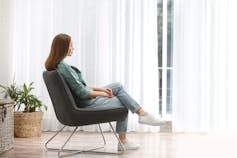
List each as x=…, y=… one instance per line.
x=69, y=114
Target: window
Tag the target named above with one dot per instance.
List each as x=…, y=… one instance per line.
x=165, y=55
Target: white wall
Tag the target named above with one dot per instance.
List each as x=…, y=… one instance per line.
x=5, y=42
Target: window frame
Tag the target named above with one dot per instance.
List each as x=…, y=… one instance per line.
x=165, y=58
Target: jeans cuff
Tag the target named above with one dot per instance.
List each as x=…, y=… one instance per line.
x=136, y=109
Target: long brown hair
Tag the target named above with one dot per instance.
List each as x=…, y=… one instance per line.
x=58, y=52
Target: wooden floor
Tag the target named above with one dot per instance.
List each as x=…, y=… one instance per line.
x=153, y=145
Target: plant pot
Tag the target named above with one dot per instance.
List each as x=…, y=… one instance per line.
x=27, y=124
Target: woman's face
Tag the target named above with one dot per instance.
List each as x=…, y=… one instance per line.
x=71, y=49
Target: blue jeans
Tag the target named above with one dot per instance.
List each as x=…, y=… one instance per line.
x=121, y=99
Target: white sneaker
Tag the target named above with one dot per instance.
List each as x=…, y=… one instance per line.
x=128, y=146
x=149, y=119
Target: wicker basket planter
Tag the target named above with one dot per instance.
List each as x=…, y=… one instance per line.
x=27, y=124
x=6, y=124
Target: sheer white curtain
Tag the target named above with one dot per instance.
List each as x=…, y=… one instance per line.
x=204, y=65
x=5, y=42
x=115, y=41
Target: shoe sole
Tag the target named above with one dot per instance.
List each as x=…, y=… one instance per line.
x=160, y=124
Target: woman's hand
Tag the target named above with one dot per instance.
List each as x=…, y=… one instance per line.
x=103, y=92
x=108, y=91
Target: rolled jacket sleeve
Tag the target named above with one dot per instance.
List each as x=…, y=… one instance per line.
x=74, y=80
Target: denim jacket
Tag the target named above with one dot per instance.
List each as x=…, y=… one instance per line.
x=77, y=85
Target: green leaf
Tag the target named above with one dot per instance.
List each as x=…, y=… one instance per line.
x=24, y=98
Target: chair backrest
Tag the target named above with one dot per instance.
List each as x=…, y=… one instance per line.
x=60, y=94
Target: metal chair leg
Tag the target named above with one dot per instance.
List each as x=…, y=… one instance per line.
x=74, y=152
x=62, y=150
x=104, y=152
x=101, y=132
x=46, y=144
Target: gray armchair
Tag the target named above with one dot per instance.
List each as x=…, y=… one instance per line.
x=68, y=113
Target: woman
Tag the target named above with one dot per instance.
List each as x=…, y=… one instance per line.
x=94, y=97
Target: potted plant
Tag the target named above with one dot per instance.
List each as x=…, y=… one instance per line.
x=11, y=91
x=28, y=110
